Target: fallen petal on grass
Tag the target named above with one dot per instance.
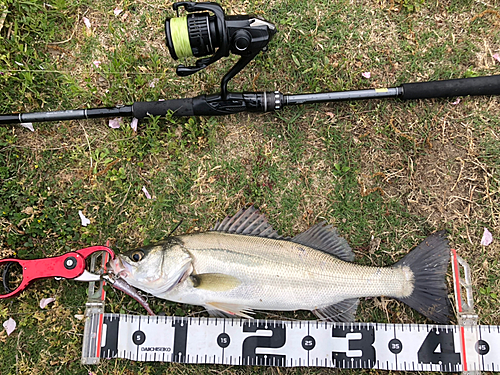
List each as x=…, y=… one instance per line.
x=134, y=123
x=487, y=238
x=496, y=56
x=117, y=11
x=115, y=122
x=86, y=21
x=45, y=301
x=84, y=220
x=28, y=125
x=146, y=192
x=456, y=101
x=366, y=75
x=154, y=82
x=96, y=63
x=10, y=326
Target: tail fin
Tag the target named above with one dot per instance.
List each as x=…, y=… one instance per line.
x=429, y=263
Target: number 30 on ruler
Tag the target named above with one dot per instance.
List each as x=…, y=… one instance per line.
x=299, y=343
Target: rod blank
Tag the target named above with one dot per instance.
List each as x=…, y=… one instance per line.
x=258, y=102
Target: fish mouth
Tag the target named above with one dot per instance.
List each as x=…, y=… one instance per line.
x=119, y=268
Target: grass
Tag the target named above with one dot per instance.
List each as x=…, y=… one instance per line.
x=386, y=170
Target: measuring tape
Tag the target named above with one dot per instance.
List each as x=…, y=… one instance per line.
x=403, y=347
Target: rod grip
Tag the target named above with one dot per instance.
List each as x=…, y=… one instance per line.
x=489, y=85
x=179, y=107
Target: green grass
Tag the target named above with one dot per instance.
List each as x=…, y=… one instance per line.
x=382, y=169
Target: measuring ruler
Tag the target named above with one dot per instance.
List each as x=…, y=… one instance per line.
x=404, y=347
x=466, y=347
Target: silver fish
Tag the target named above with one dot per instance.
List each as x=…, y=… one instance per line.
x=243, y=265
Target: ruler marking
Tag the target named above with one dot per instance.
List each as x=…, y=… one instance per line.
x=99, y=336
x=464, y=357
x=399, y=361
x=223, y=331
x=308, y=334
x=138, y=345
x=480, y=338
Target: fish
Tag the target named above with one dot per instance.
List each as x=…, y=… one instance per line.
x=242, y=265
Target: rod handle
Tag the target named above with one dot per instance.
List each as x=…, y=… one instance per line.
x=489, y=85
x=179, y=107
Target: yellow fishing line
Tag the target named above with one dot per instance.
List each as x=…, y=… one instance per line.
x=180, y=37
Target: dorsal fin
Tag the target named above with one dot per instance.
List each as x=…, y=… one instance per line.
x=325, y=238
x=249, y=222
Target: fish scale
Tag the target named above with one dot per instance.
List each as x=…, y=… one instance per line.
x=244, y=265
x=281, y=275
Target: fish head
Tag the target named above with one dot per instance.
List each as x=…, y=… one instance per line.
x=155, y=268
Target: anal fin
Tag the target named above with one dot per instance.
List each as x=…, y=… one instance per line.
x=343, y=311
x=228, y=309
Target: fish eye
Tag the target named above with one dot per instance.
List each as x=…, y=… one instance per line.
x=137, y=255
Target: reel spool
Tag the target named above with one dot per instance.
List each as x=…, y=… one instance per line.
x=200, y=34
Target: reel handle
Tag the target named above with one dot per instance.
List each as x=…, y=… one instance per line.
x=489, y=85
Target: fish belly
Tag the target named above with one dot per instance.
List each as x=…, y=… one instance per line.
x=280, y=275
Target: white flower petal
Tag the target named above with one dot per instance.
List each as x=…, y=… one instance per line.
x=96, y=63
x=10, y=326
x=366, y=74
x=115, y=122
x=134, y=123
x=28, y=125
x=487, y=238
x=154, y=82
x=84, y=220
x=456, y=101
x=45, y=301
x=496, y=56
x=117, y=11
x=146, y=192
x=86, y=21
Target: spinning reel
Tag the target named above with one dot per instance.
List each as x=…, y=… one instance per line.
x=201, y=34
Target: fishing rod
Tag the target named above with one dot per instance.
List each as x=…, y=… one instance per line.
x=207, y=31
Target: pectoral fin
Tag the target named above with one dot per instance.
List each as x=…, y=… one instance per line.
x=228, y=309
x=215, y=282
